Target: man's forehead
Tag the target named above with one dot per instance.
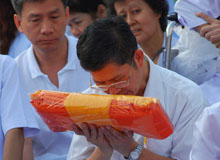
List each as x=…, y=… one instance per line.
x=34, y=9
x=110, y=71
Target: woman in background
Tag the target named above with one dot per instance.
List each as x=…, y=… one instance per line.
x=83, y=13
x=147, y=21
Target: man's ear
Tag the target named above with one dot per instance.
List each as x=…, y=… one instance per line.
x=139, y=57
x=67, y=14
x=17, y=20
x=101, y=11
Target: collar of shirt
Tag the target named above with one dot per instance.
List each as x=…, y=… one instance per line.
x=154, y=81
x=72, y=57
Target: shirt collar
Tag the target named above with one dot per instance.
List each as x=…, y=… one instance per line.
x=32, y=63
x=154, y=80
x=72, y=55
x=71, y=60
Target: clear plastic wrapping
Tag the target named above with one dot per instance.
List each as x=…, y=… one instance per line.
x=143, y=115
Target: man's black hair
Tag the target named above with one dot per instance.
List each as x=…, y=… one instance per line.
x=108, y=40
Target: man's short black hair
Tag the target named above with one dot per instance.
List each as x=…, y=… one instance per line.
x=18, y=4
x=108, y=40
x=86, y=6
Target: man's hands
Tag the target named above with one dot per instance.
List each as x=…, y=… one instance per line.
x=94, y=135
x=122, y=142
x=107, y=138
x=211, y=30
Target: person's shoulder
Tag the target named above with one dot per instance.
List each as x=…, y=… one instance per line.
x=213, y=110
x=23, y=56
x=6, y=61
x=179, y=83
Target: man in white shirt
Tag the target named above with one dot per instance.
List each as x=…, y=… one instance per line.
x=108, y=50
x=50, y=63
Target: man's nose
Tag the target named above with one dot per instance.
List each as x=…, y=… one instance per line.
x=130, y=20
x=112, y=90
x=47, y=27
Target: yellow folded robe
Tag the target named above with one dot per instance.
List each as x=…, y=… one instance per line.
x=142, y=115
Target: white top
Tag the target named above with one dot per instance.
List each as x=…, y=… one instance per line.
x=211, y=89
x=198, y=63
x=187, y=9
x=15, y=109
x=49, y=145
x=198, y=58
x=206, y=144
x=19, y=44
x=183, y=102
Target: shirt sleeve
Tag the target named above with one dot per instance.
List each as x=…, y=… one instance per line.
x=187, y=9
x=206, y=144
x=80, y=148
x=16, y=110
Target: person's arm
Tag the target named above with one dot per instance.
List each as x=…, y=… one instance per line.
x=186, y=10
x=100, y=155
x=13, y=146
x=124, y=143
x=28, y=151
x=107, y=138
x=211, y=30
x=95, y=136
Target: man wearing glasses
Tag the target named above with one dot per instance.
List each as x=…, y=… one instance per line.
x=108, y=50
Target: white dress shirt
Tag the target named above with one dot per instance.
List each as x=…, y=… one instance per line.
x=187, y=9
x=48, y=145
x=198, y=58
x=211, y=89
x=183, y=102
x=15, y=109
x=206, y=143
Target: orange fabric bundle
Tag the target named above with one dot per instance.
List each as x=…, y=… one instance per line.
x=142, y=115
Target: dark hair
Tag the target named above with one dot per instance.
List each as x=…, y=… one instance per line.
x=85, y=6
x=158, y=6
x=8, y=29
x=108, y=40
x=18, y=4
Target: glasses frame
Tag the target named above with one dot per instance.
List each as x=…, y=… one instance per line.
x=106, y=87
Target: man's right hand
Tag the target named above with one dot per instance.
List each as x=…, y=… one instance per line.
x=94, y=135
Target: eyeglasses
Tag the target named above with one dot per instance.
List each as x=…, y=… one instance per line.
x=117, y=85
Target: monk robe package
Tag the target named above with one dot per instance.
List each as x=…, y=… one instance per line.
x=143, y=115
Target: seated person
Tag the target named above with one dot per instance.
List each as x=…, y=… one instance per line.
x=50, y=63
x=148, y=23
x=108, y=50
x=211, y=87
x=201, y=15
x=16, y=115
x=199, y=56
